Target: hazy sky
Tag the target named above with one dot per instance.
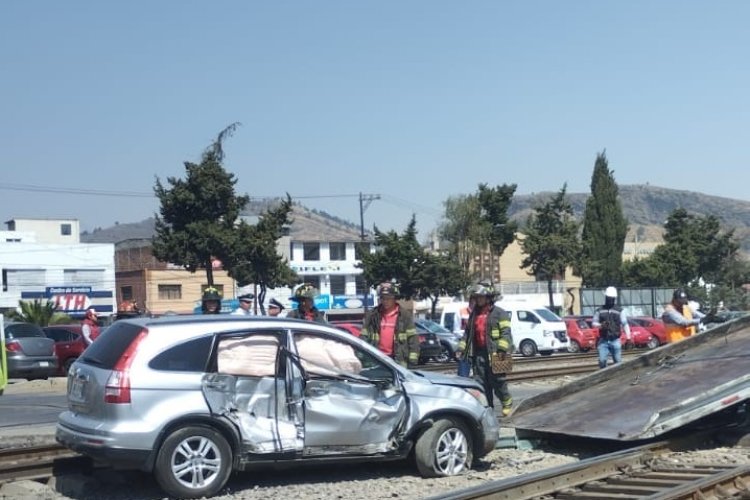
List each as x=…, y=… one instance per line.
x=413, y=100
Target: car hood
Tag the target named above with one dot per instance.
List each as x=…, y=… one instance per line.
x=452, y=380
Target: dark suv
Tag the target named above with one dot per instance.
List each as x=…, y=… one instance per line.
x=30, y=354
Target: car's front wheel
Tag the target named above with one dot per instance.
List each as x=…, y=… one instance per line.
x=445, y=449
x=574, y=347
x=193, y=462
x=446, y=354
x=653, y=342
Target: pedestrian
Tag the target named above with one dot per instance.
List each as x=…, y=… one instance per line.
x=390, y=327
x=488, y=338
x=610, y=319
x=245, y=305
x=90, y=326
x=679, y=320
x=211, y=301
x=275, y=307
x=304, y=296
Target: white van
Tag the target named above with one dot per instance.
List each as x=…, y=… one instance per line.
x=454, y=316
x=535, y=328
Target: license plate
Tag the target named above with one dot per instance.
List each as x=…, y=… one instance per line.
x=430, y=341
x=44, y=364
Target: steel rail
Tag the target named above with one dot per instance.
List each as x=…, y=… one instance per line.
x=38, y=462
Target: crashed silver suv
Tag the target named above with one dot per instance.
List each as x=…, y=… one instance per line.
x=193, y=398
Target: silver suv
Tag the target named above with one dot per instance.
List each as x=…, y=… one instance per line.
x=193, y=398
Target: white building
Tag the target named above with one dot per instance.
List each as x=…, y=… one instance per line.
x=43, y=259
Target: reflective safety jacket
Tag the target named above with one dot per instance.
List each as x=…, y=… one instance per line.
x=498, y=335
x=678, y=322
x=405, y=338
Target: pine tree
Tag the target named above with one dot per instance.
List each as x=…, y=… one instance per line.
x=604, y=230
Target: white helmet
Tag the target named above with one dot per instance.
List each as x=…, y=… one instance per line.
x=611, y=292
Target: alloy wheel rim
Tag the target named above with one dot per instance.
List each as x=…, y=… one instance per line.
x=451, y=452
x=196, y=462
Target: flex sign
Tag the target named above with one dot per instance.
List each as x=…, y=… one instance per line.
x=70, y=299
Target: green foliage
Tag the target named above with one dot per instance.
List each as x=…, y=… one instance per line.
x=39, y=313
x=439, y=275
x=473, y=222
x=551, y=242
x=253, y=256
x=604, y=230
x=398, y=257
x=198, y=214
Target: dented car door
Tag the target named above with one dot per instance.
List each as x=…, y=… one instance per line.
x=353, y=402
x=250, y=387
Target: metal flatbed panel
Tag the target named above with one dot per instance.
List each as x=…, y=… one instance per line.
x=652, y=394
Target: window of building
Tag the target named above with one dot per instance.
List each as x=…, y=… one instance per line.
x=337, y=251
x=170, y=292
x=311, y=251
x=312, y=279
x=338, y=285
x=359, y=283
x=126, y=292
x=88, y=277
x=66, y=229
x=361, y=249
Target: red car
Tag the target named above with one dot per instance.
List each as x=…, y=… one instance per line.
x=653, y=325
x=582, y=337
x=640, y=335
x=353, y=328
x=69, y=344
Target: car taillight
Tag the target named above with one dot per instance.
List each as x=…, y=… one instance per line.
x=13, y=346
x=117, y=389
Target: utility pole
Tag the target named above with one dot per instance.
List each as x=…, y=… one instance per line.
x=364, y=202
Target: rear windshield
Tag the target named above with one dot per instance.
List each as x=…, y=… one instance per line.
x=21, y=330
x=110, y=345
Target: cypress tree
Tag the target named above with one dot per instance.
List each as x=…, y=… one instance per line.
x=604, y=229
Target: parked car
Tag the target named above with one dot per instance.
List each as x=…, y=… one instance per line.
x=582, y=336
x=448, y=340
x=654, y=326
x=640, y=335
x=535, y=328
x=30, y=354
x=192, y=398
x=69, y=344
x=429, y=344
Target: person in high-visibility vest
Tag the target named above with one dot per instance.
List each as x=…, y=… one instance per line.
x=678, y=318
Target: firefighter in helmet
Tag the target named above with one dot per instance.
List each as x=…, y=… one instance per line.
x=390, y=327
x=487, y=332
x=211, y=301
x=304, y=296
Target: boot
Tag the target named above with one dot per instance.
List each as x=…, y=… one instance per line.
x=507, y=407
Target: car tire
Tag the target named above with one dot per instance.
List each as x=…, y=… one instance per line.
x=574, y=347
x=446, y=354
x=445, y=449
x=211, y=457
x=527, y=348
x=653, y=342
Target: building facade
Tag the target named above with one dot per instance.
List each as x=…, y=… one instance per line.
x=39, y=260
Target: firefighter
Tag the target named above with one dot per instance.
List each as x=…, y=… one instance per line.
x=487, y=332
x=304, y=296
x=211, y=301
x=679, y=322
x=390, y=327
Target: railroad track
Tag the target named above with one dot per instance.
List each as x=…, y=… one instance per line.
x=643, y=472
x=525, y=369
x=39, y=462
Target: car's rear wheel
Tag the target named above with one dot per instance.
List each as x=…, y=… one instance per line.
x=193, y=462
x=445, y=449
x=446, y=354
x=653, y=342
x=527, y=348
x=574, y=347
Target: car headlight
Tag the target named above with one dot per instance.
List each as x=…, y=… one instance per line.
x=479, y=395
x=548, y=333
